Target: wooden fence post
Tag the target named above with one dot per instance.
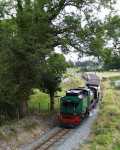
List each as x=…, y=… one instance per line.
x=39, y=108
x=18, y=115
x=48, y=107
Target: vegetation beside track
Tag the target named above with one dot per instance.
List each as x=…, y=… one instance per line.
x=40, y=99
x=73, y=80
x=115, y=78
x=30, y=127
x=106, y=128
x=105, y=133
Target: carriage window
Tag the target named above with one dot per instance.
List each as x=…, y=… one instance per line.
x=85, y=93
x=71, y=94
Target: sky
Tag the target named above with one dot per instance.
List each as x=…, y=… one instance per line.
x=74, y=56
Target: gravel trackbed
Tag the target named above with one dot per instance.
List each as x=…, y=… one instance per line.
x=78, y=135
x=72, y=140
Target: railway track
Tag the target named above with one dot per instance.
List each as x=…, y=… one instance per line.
x=48, y=143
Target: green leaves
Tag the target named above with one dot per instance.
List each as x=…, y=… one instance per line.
x=52, y=73
x=113, y=27
x=111, y=55
x=29, y=32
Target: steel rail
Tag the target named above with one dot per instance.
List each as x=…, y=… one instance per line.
x=46, y=144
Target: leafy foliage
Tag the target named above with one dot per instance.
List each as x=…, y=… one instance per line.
x=111, y=55
x=52, y=74
x=29, y=32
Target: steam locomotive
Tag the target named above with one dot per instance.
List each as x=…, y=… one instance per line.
x=78, y=102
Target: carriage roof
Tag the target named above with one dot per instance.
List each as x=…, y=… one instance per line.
x=92, y=79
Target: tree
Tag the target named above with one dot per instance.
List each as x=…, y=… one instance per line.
x=71, y=64
x=51, y=76
x=8, y=86
x=60, y=28
x=111, y=52
x=18, y=61
x=29, y=35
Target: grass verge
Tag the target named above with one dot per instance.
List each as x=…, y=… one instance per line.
x=106, y=130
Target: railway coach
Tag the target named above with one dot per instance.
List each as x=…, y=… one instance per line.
x=93, y=82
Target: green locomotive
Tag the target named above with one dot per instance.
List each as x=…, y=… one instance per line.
x=78, y=102
x=75, y=105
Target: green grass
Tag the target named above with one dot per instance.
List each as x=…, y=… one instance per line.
x=108, y=74
x=106, y=130
x=2, y=136
x=39, y=99
x=115, y=78
x=74, y=82
x=41, y=102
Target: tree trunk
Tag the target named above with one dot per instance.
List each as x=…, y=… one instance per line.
x=51, y=102
x=23, y=108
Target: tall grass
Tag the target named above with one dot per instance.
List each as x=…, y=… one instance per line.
x=106, y=130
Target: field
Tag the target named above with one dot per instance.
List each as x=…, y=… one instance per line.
x=105, y=134
x=40, y=101
x=109, y=74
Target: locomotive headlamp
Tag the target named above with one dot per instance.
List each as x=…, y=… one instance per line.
x=80, y=96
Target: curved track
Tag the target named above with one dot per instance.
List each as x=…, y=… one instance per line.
x=63, y=139
x=46, y=144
